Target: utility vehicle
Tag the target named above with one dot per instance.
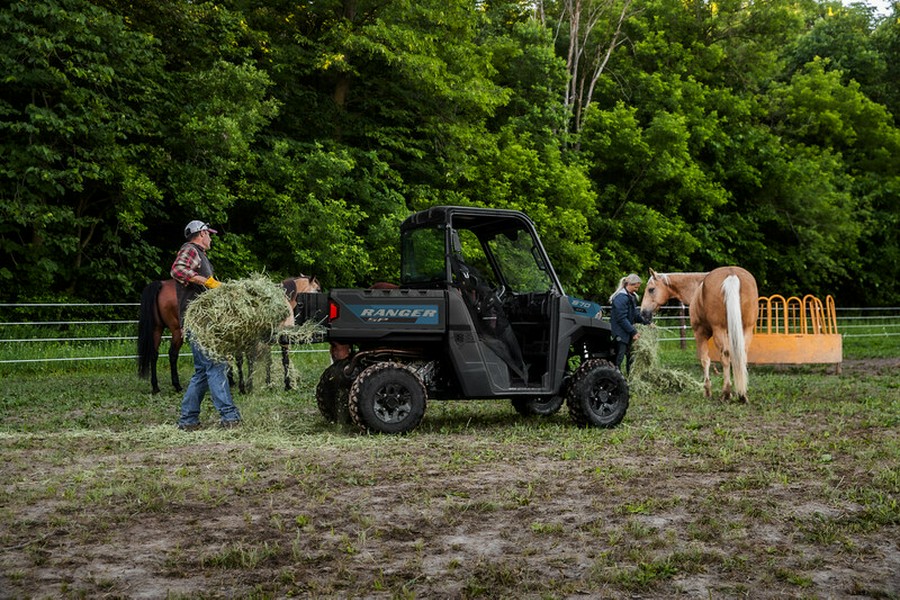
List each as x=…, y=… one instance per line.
x=479, y=313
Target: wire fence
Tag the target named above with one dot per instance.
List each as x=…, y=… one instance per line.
x=71, y=332
x=877, y=322
x=41, y=333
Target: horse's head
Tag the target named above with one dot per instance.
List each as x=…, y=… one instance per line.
x=299, y=285
x=307, y=284
x=656, y=293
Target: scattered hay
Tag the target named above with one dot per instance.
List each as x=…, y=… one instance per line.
x=304, y=333
x=243, y=316
x=647, y=376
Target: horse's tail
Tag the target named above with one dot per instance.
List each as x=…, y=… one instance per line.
x=731, y=287
x=146, y=346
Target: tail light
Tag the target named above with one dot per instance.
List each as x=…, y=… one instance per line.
x=334, y=311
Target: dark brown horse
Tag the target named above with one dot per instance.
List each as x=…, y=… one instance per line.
x=723, y=306
x=159, y=311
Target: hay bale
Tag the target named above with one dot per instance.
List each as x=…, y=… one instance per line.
x=242, y=316
x=648, y=376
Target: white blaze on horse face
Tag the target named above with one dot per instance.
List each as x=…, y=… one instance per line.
x=655, y=295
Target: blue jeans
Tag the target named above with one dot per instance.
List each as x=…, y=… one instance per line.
x=623, y=351
x=208, y=375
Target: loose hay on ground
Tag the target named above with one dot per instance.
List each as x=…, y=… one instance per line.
x=647, y=376
x=241, y=316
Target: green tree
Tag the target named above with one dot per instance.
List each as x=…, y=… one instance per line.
x=856, y=229
x=886, y=41
x=112, y=148
x=709, y=160
x=842, y=37
x=76, y=83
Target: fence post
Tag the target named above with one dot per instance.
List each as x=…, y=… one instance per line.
x=683, y=334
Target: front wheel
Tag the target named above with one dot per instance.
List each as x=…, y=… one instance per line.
x=387, y=397
x=598, y=395
x=538, y=406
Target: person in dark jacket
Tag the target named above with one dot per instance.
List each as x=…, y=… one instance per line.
x=623, y=315
x=193, y=271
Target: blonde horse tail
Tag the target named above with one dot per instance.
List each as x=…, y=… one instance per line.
x=731, y=288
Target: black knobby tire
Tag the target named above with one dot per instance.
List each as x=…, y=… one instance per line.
x=332, y=392
x=597, y=395
x=387, y=397
x=543, y=407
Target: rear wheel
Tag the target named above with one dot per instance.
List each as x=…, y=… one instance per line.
x=332, y=392
x=387, y=397
x=597, y=395
x=541, y=406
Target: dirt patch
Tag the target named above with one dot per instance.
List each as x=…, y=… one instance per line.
x=362, y=523
x=872, y=366
x=794, y=494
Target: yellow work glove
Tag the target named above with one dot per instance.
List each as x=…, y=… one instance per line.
x=212, y=282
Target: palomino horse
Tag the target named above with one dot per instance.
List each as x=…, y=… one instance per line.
x=159, y=310
x=723, y=306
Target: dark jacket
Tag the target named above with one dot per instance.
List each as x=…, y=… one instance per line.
x=191, y=261
x=624, y=315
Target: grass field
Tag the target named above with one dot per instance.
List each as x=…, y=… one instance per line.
x=794, y=495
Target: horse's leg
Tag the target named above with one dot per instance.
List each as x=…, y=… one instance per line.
x=174, y=349
x=167, y=316
x=239, y=365
x=251, y=365
x=286, y=363
x=268, y=358
x=722, y=343
x=229, y=373
x=701, y=338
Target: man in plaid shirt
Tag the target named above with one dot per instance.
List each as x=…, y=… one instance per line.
x=194, y=272
x=192, y=268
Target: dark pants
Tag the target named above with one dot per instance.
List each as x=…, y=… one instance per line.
x=623, y=350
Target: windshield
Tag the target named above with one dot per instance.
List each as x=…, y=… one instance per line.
x=520, y=262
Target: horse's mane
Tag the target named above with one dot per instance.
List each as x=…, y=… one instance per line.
x=665, y=276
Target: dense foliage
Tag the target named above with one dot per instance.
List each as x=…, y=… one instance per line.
x=672, y=134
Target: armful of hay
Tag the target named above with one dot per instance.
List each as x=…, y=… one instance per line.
x=238, y=316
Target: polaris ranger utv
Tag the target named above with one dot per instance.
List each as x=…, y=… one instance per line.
x=479, y=313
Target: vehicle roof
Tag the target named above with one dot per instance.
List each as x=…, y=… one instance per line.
x=469, y=217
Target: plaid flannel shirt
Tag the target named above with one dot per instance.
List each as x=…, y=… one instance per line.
x=187, y=264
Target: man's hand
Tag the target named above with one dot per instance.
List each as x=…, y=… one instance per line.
x=212, y=282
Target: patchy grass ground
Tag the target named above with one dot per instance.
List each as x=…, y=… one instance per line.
x=794, y=495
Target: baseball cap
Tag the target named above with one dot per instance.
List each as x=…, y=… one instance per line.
x=196, y=227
